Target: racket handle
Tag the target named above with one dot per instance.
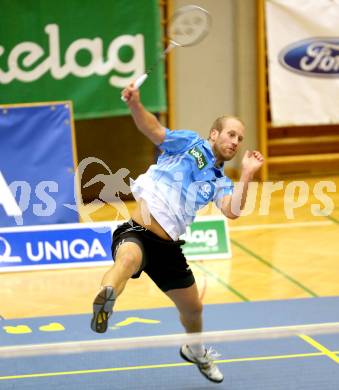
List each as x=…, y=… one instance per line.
x=140, y=80
x=138, y=83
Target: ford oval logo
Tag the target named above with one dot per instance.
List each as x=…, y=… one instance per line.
x=317, y=57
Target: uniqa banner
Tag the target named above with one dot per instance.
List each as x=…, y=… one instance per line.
x=84, y=51
x=89, y=244
x=303, y=58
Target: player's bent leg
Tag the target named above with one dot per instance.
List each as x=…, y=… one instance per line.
x=128, y=260
x=190, y=308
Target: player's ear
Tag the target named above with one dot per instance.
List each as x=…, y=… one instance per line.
x=213, y=134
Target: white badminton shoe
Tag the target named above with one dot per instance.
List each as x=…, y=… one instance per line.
x=102, y=309
x=205, y=363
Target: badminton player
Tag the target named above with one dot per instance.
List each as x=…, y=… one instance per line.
x=188, y=175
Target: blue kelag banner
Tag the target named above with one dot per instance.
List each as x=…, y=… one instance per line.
x=36, y=164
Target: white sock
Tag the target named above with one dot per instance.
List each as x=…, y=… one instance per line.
x=198, y=349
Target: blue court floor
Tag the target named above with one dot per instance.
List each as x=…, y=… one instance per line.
x=294, y=363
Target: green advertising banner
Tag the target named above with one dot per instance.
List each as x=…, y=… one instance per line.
x=81, y=50
x=207, y=238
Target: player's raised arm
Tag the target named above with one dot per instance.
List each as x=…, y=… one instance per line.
x=233, y=204
x=146, y=122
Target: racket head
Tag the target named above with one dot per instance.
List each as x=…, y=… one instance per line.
x=189, y=25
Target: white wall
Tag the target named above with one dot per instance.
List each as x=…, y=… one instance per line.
x=246, y=69
x=218, y=75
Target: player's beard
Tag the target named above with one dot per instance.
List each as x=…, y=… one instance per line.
x=223, y=154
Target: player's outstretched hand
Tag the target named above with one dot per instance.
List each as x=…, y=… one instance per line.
x=252, y=161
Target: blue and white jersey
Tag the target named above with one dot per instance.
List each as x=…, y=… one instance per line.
x=183, y=180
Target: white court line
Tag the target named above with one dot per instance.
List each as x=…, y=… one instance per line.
x=280, y=225
x=113, y=344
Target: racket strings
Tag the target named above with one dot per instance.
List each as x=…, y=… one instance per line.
x=189, y=25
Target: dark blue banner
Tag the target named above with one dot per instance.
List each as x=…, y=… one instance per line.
x=36, y=165
x=41, y=247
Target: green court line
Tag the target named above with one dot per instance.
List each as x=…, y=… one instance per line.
x=222, y=282
x=166, y=365
x=332, y=219
x=279, y=271
x=335, y=220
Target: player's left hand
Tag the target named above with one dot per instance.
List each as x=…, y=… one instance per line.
x=252, y=161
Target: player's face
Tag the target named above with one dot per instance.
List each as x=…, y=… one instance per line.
x=227, y=142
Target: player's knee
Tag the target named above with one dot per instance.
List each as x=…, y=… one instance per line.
x=194, y=311
x=130, y=262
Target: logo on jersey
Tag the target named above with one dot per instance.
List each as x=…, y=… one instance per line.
x=205, y=191
x=199, y=157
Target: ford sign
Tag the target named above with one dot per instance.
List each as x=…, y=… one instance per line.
x=318, y=57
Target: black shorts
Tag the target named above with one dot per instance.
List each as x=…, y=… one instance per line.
x=163, y=260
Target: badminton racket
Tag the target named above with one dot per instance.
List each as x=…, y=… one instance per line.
x=188, y=26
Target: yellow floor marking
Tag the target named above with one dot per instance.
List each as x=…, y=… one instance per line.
x=320, y=347
x=166, y=365
x=52, y=327
x=18, y=329
x=132, y=320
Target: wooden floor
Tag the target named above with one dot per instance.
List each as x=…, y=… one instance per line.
x=274, y=257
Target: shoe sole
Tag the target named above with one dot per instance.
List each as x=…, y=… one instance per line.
x=202, y=372
x=102, y=309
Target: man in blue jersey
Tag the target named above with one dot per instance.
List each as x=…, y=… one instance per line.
x=187, y=176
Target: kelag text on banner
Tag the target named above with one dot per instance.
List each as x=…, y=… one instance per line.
x=80, y=51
